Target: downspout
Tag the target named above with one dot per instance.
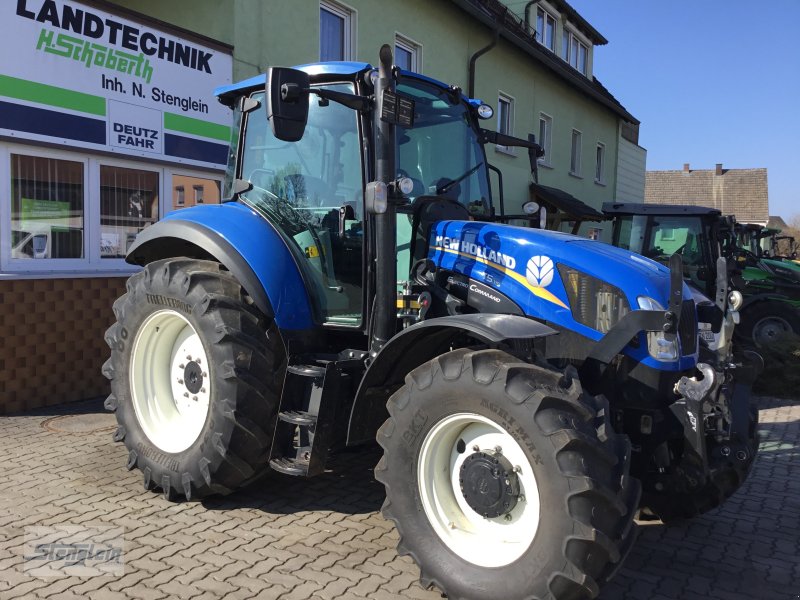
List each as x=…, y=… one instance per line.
x=474, y=58
x=528, y=13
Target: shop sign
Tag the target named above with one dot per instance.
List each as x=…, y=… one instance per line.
x=88, y=78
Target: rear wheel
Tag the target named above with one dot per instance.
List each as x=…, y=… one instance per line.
x=505, y=480
x=195, y=379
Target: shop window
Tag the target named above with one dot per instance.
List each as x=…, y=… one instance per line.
x=47, y=208
x=594, y=233
x=128, y=204
x=335, y=32
x=204, y=191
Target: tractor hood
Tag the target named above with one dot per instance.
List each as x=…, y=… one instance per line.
x=527, y=265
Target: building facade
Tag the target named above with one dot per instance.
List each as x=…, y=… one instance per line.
x=108, y=122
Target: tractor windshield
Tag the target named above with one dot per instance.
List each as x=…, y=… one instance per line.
x=311, y=190
x=659, y=237
x=441, y=153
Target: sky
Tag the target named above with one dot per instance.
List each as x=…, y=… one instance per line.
x=712, y=81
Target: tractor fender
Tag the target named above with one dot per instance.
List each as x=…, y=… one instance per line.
x=246, y=244
x=418, y=344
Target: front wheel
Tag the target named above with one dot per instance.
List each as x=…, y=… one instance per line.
x=505, y=480
x=195, y=379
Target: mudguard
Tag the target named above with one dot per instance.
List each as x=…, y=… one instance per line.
x=418, y=344
x=248, y=246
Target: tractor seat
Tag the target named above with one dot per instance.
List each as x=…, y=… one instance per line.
x=427, y=211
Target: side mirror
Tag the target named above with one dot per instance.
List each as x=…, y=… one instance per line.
x=287, y=102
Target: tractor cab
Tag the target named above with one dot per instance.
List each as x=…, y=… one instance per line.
x=656, y=231
x=311, y=189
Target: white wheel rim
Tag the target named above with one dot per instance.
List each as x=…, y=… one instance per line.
x=170, y=409
x=486, y=542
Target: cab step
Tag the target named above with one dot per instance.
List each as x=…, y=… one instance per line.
x=290, y=466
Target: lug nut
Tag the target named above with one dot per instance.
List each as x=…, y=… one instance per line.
x=180, y=381
x=508, y=517
x=202, y=390
x=451, y=525
x=198, y=361
x=205, y=374
x=189, y=357
x=194, y=398
x=476, y=448
x=517, y=469
x=181, y=366
x=498, y=450
x=522, y=498
x=725, y=451
x=741, y=455
x=185, y=394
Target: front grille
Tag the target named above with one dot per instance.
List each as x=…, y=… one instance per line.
x=687, y=329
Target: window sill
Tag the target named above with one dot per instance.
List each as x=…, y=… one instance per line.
x=546, y=166
x=505, y=150
x=575, y=175
x=600, y=183
x=67, y=274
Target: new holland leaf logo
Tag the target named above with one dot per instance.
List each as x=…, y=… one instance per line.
x=539, y=272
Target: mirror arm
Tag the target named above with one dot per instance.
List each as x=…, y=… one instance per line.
x=359, y=103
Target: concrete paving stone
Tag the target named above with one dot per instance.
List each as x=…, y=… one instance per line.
x=325, y=538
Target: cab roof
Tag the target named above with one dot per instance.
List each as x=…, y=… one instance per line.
x=226, y=94
x=632, y=208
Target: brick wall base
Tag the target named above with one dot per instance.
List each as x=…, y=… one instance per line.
x=51, y=340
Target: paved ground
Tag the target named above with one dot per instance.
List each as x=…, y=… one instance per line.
x=325, y=539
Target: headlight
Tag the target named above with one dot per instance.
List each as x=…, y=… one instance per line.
x=657, y=344
x=594, y=303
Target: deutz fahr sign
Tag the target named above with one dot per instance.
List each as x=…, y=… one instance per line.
x=92, y=79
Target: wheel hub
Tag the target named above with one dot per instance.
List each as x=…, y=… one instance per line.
x=193, y=377
x=489, y=484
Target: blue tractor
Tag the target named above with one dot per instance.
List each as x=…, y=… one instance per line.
x=531, y=390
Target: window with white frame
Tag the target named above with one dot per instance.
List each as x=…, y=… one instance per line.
x=79, y=213
x=575, y=153
x=335, y=32
x=575, y=52
x=407, y=54
x=505, y=118
x=546, y=138
x=546, y=29
x=48, y=207
x=129, y=202
x=594, y=233
x=179, y=197
x=600, y=163
x=198, y=194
